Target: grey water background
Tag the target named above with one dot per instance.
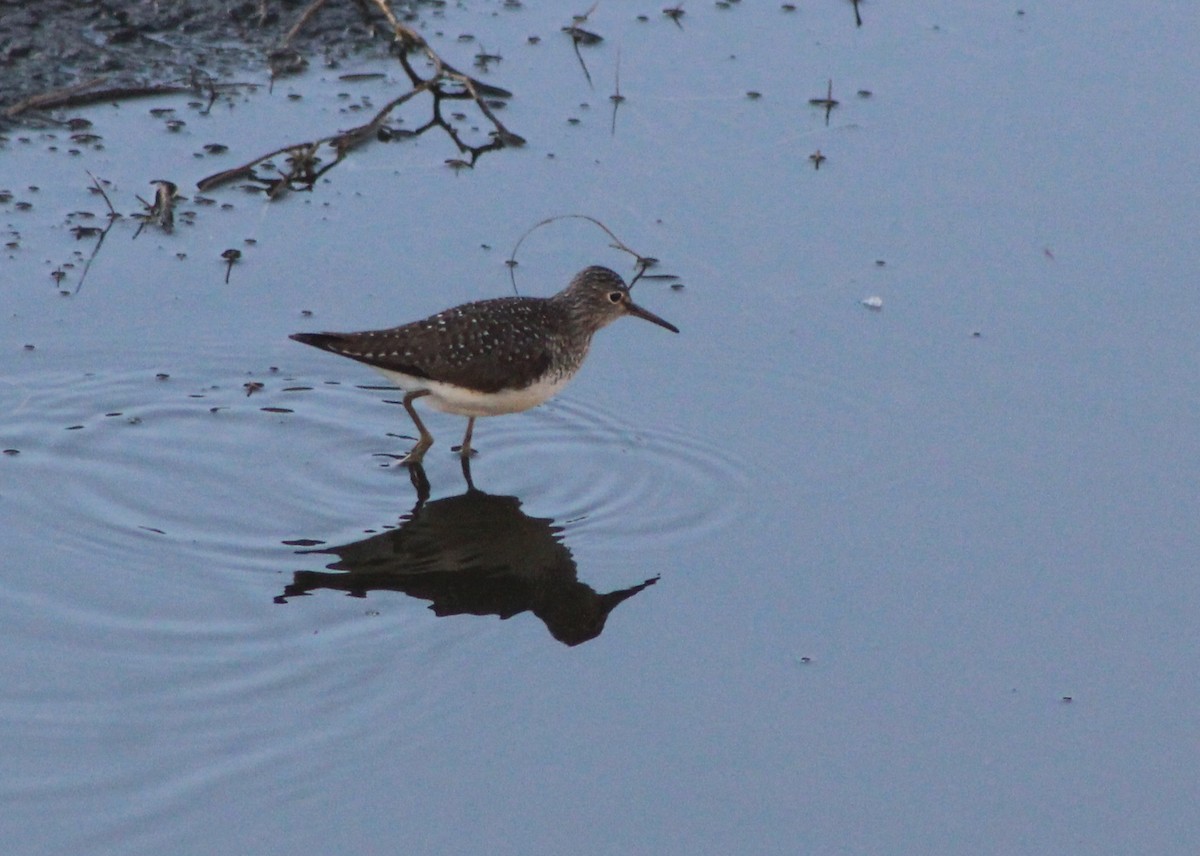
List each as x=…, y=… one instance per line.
x=926, y=575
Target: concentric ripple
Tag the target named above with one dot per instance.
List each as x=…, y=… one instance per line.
x=605, y=477
x=121, y=454
x=144, y=513
x=227, y=465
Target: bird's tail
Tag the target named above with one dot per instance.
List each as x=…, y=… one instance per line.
x=324, y=341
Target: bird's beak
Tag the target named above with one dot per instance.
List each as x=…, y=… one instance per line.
x=633, y=309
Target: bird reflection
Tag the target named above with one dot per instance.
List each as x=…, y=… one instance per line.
x=471, y=554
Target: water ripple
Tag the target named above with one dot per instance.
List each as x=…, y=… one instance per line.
x=131, y=467
x=606, y=478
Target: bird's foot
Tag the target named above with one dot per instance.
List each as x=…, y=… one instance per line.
x=417, y=454
x=412, y=459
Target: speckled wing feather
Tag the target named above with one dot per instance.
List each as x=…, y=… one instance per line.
x=488, y=345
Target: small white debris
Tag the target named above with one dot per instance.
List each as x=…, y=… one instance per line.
x=874, y=302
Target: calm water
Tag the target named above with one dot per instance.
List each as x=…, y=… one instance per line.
x=918, y=579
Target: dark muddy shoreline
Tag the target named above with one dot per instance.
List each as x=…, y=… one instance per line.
x=55, y=44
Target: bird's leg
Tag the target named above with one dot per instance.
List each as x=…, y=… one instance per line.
x=426, y=439
x=465, y=449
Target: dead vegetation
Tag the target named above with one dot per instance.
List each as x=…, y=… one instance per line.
x=306, y=162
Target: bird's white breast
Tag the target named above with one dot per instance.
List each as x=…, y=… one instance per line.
x=448, y=398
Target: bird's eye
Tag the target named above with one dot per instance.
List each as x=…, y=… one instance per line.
x=615, y=297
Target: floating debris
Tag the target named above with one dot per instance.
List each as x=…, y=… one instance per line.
x=582, y=36
x=162, y=211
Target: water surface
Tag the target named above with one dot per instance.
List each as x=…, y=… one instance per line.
x=924, y=576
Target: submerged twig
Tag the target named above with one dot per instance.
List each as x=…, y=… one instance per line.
x=580, y=36
x=616, y=98
x=231, y=257
x=113, y=217
x=643, y=263
x=112, y=212
x=828, y=102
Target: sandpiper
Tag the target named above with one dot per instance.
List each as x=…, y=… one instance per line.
x=491, y=356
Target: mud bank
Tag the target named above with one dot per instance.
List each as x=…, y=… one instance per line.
x=56, y=44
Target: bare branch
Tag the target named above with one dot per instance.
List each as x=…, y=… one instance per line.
x=305, y=164
x=643, y=262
